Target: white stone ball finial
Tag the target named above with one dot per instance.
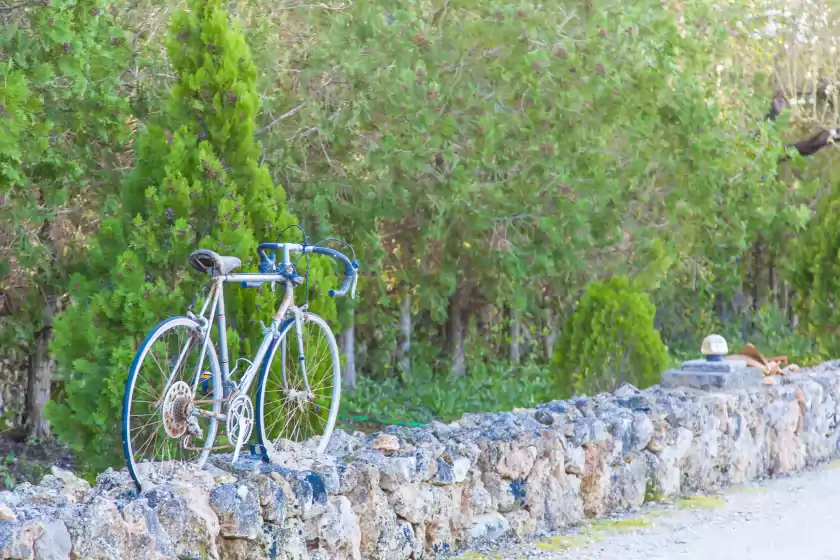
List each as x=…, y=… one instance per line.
x=714, y=346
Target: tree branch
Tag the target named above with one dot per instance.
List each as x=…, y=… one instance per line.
x=284, y=116
x=9, y=7
x=809, y=146
x=816, y=143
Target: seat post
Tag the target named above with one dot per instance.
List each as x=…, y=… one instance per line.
x=222, y=324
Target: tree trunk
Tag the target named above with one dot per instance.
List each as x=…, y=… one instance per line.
x=550, y=338
x=757, y=260
x=527, y=346
x=39, y=383
x=514, y=351
x=348, y=347
x=405, y=332
x=456, y=335
x=485, y=326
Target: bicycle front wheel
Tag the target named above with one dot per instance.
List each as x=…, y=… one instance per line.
x=299, y=392
x=160, y=428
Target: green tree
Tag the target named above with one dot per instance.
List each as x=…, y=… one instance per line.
x=609, y=340
x=815, y=273
x=197, y=182
x=62, y=132
x=500, y=157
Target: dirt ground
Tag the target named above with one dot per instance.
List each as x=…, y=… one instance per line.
x=28, y=461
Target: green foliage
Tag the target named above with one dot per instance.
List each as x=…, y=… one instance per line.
x=816, y=275
x=490, y=161
x=63, y=125
x=503, y=156
x=197, y=182
x=772, y=334
x=609, y=340
x=29, y=461
x=425, y=397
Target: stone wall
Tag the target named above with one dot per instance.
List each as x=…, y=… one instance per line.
x=14, y=372
x=422, y=493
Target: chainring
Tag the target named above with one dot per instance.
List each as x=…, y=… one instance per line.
x=240, y=422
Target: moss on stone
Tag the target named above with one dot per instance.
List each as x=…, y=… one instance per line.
x=595, y=532
x=620, y=525
x=748, y=490
x=562, y=543
x=701, y=502
x=653, y=493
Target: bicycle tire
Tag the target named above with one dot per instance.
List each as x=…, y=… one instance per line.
x=334, y=371
x=128, y=397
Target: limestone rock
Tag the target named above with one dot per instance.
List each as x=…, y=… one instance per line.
x=184, y=513
x=385, y=443
x=488, y=527
x=17, y=540
x=377, y=520
x=398, y=471
x=412, y=502
x=522, y=524
x=238, y=509
x=406, y=543
x=337, y=530
x=575, y=460
x=54, y=542
x=479, y=497
x=6, y=513
x=501, y=493
x=290, y=542
x=272, y=499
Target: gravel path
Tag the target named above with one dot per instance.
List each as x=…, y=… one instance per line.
x=782, y=519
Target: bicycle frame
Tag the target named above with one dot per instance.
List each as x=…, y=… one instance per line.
x=214, y=308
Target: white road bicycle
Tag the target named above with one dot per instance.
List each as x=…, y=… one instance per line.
x=180, y=388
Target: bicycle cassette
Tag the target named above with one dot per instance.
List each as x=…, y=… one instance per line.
x=176, y=409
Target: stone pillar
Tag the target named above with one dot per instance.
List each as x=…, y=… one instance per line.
x=714, y=372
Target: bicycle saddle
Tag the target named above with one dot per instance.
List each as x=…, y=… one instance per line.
x=208, y=262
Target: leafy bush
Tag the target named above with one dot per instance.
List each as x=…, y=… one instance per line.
x=425, y=397
x=773, y=335
x=815, y=276
x=609, y=340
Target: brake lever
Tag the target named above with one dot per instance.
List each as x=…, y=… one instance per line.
x=353, y=289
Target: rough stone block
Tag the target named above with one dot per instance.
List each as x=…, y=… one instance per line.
x=723, y=366
x=726, y=375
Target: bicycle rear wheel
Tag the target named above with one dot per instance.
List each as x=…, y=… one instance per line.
x=159, y=430
x=290, y=406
